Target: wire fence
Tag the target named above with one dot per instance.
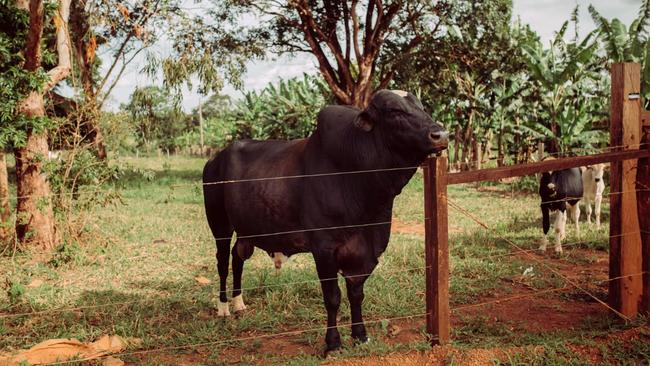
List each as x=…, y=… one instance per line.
x=299, y=176
x=517, y=250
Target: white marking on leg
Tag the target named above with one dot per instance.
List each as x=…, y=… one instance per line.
x=588, y=207
x=238, y=303
x=222, y=309
x=542, y=243
x=279, y=259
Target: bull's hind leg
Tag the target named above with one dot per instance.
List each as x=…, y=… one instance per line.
x=223, y=253
x=240, y=252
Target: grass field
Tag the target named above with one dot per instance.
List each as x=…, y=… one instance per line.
x=142, y=256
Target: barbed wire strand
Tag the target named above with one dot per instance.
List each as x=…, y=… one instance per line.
x=297, y=176
x=523, y=296
x=240, y=339
x=379, y=272
x=301, y=331
x=558, y=273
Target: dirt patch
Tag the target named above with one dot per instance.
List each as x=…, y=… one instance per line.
x=401, y=227
x=437, y=356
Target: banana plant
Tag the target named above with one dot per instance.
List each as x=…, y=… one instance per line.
x=557, y=71
x=627, y=44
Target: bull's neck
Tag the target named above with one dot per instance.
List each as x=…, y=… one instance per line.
x=369, y=151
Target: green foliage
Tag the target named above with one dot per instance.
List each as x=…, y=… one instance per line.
x=156, y=117
x=627, y=44
x=67, y=253
x=564, y=75
x=15, y=82
x=286, y=110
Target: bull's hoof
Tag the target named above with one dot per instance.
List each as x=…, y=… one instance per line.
x=238, y=303
x=361, y=341
x=222, y=309
x=332, y=351
x=558, y=250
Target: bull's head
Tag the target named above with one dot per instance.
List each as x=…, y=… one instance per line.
x=400, y=119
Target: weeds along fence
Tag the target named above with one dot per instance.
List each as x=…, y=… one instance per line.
x=629, y=262
x=629, y=255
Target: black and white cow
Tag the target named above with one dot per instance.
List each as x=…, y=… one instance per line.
x=287, y=216
x=560, y=190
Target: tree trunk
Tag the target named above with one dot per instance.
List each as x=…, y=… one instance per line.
x=35, y=217
x=5, y=208
x=500, y=156
x=35, y=223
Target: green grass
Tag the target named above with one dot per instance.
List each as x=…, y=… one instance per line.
x=142, y=255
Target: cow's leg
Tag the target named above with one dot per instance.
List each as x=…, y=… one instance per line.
x=354, y=287
x=327, y=273
x=223, y=252
x=597, y=203
x=588, y=208
x=560, y=227
x=575, y=216
x=546, y=224
x=240, y=252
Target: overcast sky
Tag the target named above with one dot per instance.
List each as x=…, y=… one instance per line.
x=544, y=16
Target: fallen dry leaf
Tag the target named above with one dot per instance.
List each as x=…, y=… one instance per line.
x=35, y=283
x=202, y=280
x=54, y=350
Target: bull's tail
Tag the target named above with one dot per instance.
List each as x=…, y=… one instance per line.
x=215, y=211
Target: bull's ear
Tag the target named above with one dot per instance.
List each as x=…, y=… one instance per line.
x=363, y=121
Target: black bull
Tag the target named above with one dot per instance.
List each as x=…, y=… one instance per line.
x=393, y=132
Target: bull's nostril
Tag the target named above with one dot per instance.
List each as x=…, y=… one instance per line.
x=597, y=179
x=438, y=136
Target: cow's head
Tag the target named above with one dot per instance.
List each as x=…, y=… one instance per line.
x=399, y=118
x=597, y=171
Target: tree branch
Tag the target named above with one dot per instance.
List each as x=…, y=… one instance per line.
x=62, y=70
x=33, y=47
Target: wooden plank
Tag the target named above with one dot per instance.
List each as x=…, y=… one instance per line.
x=645, y=118
x=625, y=251
x=436, y=249
x=543, y=166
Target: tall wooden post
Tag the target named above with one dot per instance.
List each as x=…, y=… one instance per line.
x=643, y=208
x=625, y=255
x=436, y=249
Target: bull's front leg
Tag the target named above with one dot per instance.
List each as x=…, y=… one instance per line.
x=354, y=287
x=327, y=273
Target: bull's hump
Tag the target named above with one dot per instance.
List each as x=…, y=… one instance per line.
x=337, y=115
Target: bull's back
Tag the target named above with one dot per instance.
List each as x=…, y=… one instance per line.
x=258, y=198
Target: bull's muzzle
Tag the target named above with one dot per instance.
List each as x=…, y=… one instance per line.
x=439, y=140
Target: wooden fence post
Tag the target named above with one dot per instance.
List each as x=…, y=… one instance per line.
x=625, y=255
x=643, y=208
x=436, y=249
